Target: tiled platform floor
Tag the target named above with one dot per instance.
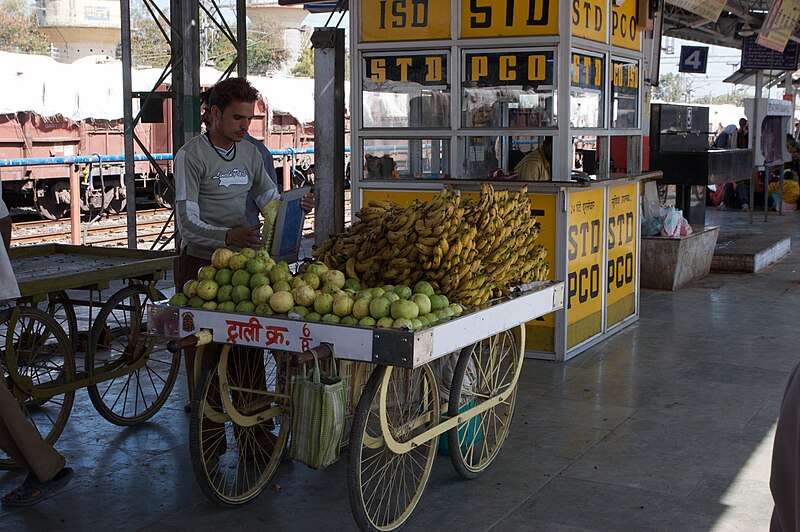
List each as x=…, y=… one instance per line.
x=665, y=426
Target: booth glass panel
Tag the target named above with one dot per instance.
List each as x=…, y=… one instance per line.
x=587, y=91
x=406, y=90
x=512, y=88
x=494, y=157
x=423, y=158
x=624, y=93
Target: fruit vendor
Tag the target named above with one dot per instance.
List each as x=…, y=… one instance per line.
x=214, y=173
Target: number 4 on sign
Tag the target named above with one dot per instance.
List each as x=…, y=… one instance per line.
x=693, y=59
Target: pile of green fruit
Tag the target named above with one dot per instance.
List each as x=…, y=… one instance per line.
x=250, y=282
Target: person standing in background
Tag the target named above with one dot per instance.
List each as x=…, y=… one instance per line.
x=743, y=135
x=47, y=471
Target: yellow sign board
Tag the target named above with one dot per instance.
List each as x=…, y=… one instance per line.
x=508, y=18
x=589, y=19
x=404, y=20
x=540, y=333
x=625, y=30
x=621, y=277
x=585, y=245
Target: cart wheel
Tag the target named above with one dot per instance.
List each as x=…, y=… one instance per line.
x=36, y=354
x=60, y=308
x=236, y=438
x=484, y=371
x=117, y=340
x=384, y=487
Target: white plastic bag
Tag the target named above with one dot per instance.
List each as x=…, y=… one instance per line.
x=672, y=222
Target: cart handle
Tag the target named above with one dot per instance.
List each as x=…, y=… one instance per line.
x=199, y=338
x=322, y=351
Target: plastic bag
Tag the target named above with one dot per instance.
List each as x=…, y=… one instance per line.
x=652, y=226
x=672, y=222
x=651, y=210
x=686, y=227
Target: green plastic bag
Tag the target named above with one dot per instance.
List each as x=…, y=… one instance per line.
x=319, y=406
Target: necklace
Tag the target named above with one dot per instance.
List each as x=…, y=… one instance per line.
x=225, y=158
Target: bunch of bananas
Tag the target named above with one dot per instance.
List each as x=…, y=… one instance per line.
x=469, y=250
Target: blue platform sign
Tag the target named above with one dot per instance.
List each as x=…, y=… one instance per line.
x=755, y=57
x=693, y=59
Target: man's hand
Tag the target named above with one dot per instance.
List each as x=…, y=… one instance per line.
x=245, y=237
x=307, y=202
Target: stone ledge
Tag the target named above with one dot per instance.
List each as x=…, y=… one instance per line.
x=670, y=263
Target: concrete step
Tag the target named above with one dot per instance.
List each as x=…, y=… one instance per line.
x=748, y=252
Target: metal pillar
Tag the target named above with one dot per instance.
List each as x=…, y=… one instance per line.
x=328, y=131
x=127, y=110
x=186, y=71
x=241, y=39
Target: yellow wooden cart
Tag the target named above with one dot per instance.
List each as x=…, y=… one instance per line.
x=46, y=358
x=457, y=378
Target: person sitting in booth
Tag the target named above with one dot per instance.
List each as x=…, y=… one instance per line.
x=535, y=166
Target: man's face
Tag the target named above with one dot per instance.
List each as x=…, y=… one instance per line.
x=232, y=124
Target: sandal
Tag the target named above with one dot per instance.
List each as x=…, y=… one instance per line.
x=33, y=491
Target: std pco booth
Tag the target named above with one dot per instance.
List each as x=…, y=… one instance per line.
x=449, y=92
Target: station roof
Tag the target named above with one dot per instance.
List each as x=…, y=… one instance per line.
x=739, y=19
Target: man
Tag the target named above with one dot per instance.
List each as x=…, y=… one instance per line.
x=251, y=209
x=47, y=471
x=214, y=173
x=726, y=138
x=536, y=165
x=742, y=135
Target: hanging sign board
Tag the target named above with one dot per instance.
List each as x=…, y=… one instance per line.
x=779, y=25
x=420, y=69
x=587, y=71
x=755, y=57
x=509, y=68
x=693, y=59
x=504, y=18
x=708, y=9
x=404, y=20
x=589, y=19
x=625, y=30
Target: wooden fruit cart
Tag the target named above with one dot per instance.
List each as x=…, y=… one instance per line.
x=238, y=431
x=47, y=355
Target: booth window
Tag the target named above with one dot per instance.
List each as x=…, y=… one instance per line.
x=388, y=159
x=587, y=91
x=406, y=90
x=514, y=89
x=624, y=93
x=494, y=157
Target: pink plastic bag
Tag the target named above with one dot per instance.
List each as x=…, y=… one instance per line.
x=686, y=227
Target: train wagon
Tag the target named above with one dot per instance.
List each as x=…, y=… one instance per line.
x=47, y=109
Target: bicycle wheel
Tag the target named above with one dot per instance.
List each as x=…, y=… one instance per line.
x=237, y=437
x=487, y=370
x=61, y=309
x=37, y=364
x=118, y=339
x=384, y=487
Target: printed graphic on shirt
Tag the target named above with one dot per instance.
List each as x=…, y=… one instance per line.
x=234, y=177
